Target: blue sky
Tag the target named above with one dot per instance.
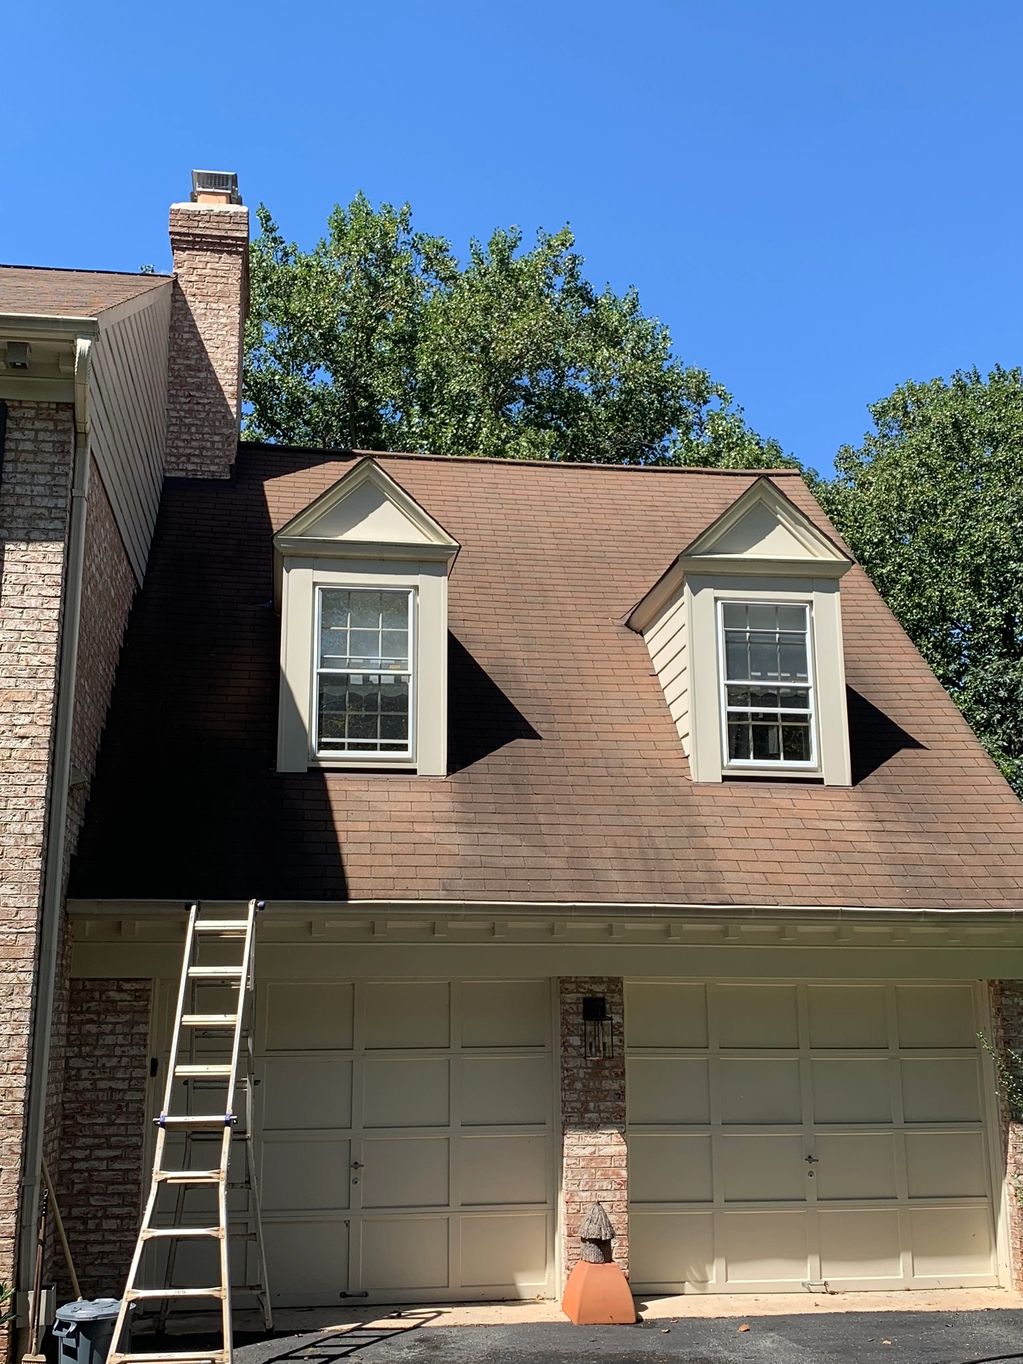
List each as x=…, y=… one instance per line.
x=820, y=199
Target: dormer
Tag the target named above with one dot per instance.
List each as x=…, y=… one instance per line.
x=745, y=634
x=361, y=583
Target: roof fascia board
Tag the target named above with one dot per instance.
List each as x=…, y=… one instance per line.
x=52, y=326
x=143, y=909
x=118, y=311
x=292, y=545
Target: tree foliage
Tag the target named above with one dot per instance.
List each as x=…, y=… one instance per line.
x=932, y=505
x=379, y=338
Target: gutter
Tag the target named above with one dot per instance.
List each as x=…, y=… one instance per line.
x=49, y=929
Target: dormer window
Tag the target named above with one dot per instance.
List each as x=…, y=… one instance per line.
x=364, y=673
x=362, y=583
x=767, y=693
x=745, y=634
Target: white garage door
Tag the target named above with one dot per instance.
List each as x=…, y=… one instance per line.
x=406, y=1136
x=785, y=1135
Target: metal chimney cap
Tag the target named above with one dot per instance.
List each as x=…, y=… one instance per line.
x=216, y=182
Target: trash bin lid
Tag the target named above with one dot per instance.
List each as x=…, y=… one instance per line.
x=84, y=1310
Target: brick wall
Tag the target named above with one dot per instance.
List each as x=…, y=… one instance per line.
x=105, y=1086
x=1007, y=1021
x=34, y=510
x=210, y=245
x=594, y=1161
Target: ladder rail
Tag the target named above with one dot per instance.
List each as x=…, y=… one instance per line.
x=188, y=1023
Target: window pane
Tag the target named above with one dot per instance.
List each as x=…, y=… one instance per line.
x=792, y=618
x=766, y=742
x=763, y=618
x=734, y=614
x=795, y=739
x=763, y=658
x=365, y=607
x=736, y=656
x=739, y=741
x=394, y=610
x=364, y=712
x=792, y=658
x=353, y=633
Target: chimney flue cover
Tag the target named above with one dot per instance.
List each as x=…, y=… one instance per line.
x=215, y=187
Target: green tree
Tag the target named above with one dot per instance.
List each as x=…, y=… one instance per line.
x=932, y=505
x=380, y=338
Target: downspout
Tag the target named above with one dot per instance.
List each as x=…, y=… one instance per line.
x=56, y=836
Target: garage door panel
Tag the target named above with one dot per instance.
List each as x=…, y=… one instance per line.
x=300, y=1174
x=504, y=1169
x=406, y=1092
x=942, y=1089
x=306, y=1093
x=666, y=1015
x=757, y=1016
x=762, y=1169
x=851, y=1090
x=670, y=1168
x=505, y=1013
x=308, y=1015
x=946, y=1164
x=761, y=1091
x=671, y=1248
x=847, y=1016
x=406, y=1015
x=505, y=1250
x=951, y=1241
x=401, y=1173
x=668, y=1090
x=405, y=1253
x=862, y=1243
x=765, y=1247
x=936, y=1016
x=855, y=1165
x=306, y=1262
x=500, y=1091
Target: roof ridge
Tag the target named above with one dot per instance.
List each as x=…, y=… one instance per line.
x=426, y=455
x=84, y=270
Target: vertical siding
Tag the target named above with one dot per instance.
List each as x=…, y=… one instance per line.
x=129, y=418
x=666, y=640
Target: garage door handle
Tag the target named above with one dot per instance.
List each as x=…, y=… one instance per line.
x=811, y=1160
x=356, y=1165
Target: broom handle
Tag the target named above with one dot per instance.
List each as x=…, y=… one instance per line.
x=76, y=1287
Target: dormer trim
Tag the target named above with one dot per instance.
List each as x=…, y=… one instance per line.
x=778, y=540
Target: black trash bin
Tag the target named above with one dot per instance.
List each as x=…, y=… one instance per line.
x=85, y=1330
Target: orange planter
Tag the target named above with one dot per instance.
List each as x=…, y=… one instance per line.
x=598, y=1295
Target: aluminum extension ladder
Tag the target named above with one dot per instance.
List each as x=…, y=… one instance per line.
x=223, y=1041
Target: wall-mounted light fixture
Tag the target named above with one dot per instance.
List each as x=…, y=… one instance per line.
x=598, y=1040
x=17, y=354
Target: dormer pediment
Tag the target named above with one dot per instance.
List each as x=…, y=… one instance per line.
x=763, y=530
x=366, y=514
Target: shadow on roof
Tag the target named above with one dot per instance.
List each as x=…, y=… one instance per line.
x=482, y=718
x=873, y=736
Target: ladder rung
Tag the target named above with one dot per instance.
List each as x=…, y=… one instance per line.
x=169, y=1233
x=171, y=1357
x=208, y=1071
x=189, y=1176
x=222, y=926
x=148, y=1294
x=208, y=1020
x=216, y=972
x=210, y=1120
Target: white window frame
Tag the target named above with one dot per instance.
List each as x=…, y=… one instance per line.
x=810, y=766
x=337, y=755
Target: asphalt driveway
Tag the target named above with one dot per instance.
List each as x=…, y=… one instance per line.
x=989, y=1337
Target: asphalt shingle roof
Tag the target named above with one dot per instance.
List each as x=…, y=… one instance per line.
x=567, y=779
x=68, y=293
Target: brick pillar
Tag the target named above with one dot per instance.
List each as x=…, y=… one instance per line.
x=1007, y=1020
x=34, y=511
x=210, y=245
x=594, y=1159
x=101, y=1169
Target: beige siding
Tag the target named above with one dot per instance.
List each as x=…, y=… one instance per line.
x=666, y=639
x=129, y=416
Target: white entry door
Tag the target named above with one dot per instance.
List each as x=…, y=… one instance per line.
x=406, y=1135
x=790, y=1135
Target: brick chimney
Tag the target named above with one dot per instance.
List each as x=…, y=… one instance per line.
x=210, y=245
